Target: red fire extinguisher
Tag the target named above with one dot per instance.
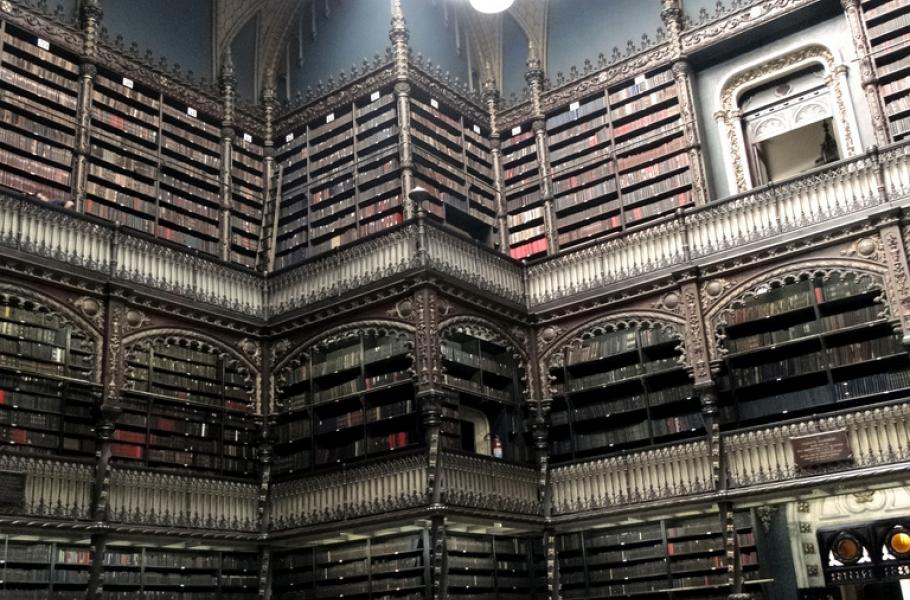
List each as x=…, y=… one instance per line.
x=496, y=445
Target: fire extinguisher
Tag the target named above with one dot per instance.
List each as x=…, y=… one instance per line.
x=496, y=445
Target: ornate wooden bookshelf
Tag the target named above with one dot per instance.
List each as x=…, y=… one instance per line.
x=47, y=394
x=387, y=567
x=521, y=190
x=246, y=198
x=807, y=346
x=619, y=390
x=675, y=558
x=38, y=98
x=485, y=566
x=888, y=31
x=43, y=568
x=167, y=574
x=483, y=401
x=185, y=407
x=348, y=398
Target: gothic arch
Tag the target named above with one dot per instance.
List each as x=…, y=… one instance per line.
x=788, y=273
x=767, y=69
x=19, y=294
x=553, y=356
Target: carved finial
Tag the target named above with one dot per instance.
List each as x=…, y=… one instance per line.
x=269, y=85
x=90, y=10
x=533, y=59
x=226, y=78
x=398, y=23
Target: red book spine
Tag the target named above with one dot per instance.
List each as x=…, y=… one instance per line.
x=402, y=439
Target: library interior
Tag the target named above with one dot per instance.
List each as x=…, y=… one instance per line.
x=454, y=299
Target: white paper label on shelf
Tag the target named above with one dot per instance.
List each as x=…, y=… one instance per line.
x=330, y=117
x=248, y=138
x=191, y=111
x=640, y=79
x=289, y=137
x=42, y=43
x=127, y=82
x=433, y=103
x=477, y=130
x=374, y=96
x=575, y=106
x=516, y=130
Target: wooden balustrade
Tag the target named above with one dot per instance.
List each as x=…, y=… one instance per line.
x=150, y=498
x=878, y=436
x=477, y=482
x=352, y=492
x=666, y=472
x=53, y=488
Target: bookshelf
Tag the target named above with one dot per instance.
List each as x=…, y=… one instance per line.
x=349, y=398
x=246, y=198
x=480, y=566
x=38, y=101
x=618, y=158
x=340, y=178
x=674, y=558
x=185, y=406
x=888, y=31
x=169, y=574
x=35, y=568
x=482, y=402
x=389, y=567
x=521, y=190
x=815, y=344
x=47, y=394
x=622, y=389
x=453, y=162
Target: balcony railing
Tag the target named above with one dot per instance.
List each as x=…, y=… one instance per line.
x=352, y=492
x=53, y=488
x=826, y=197
x=666, y=472
x=486, y=483
x=160, y=499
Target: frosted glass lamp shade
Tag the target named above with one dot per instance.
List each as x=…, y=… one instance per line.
x=491, y=6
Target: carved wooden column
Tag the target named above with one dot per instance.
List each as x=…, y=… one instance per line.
x=897, y=282
x=228, y=84
x=672, y=17
x=271, y=206
x=534, y=76
x=429, y=397
x=869, y=78
x=265, y=455
x=90, y=14
x=732, y=557
x=438, y=558
x=491, y=100
x=698, y=358
x=399, y=36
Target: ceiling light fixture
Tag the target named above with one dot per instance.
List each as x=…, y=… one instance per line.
x=491, y=6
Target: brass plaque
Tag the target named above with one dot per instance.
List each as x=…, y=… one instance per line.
x=821, y=448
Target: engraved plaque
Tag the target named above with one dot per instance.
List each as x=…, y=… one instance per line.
x=821, y=448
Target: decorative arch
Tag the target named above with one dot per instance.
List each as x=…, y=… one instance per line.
x=474, y=325
x=574, y=338
x=27, y=297
x=782, y=275
x=758, y=73
x=196, y=340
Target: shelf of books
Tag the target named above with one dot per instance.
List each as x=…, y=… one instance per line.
x=812, y=345
x=390, y=567
x=168, y=574
x=453, y=162
x=619, y=390
x=291, y=158
x=246, y=198
x=888, y=31
x=482, y=412
x=46, y=392
x=495, y=567
x=521, y=188
x=33, y=568
x=122, y=182
x=38, y=99
x=674, y=558
x=184, y=407
x=350, y=398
